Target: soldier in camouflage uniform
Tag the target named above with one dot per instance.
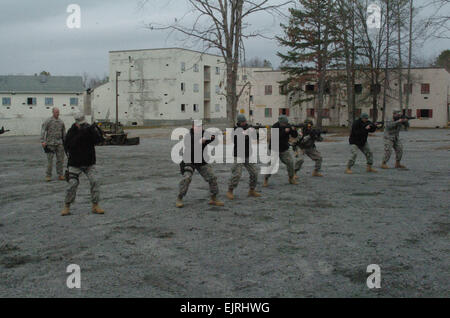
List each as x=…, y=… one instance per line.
x=53, y=133
x=190, y=164
x=306, y=146
x=80, y=146
x=243, y=131
x=392, y=140
x=286, y=131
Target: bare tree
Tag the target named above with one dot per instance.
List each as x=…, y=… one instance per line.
x=438, y=23
x=221, y=25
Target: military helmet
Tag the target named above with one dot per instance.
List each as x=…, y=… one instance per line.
x=365, y=115
x=283, y=119
x=241, y=118
x=308, y=122
x=396, y=111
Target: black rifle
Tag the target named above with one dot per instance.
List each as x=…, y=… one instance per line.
x=2, y=131
x=377, y=125
x=315, y=134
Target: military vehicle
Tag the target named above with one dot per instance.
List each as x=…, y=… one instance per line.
x=115, y=135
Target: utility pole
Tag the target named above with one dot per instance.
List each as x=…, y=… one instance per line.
x=117, y=100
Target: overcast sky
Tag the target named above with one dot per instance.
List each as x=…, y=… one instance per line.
x=34, y=35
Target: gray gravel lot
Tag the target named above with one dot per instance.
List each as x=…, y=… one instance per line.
x=315, y=239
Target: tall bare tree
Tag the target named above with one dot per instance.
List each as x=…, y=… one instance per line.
x=221, y=25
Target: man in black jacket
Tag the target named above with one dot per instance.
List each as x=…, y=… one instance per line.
x=244, y=152
x=80, y=148
x=285, y=132
x=358, y=140
x=193, y=159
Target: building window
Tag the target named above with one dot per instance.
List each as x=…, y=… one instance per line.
x=310, y=88
x=268, y=112
x=217, y=108
x=182, y=87
x=195, y=107
x=251, y=112
x=251, y=98
x=405, y=88
x=6, y=101
x=268, y=90
x=375, y=88
x=196, y=68
x=196, y=88
x=358, y=89
x=217, y=89
x=74, y=101
x=424, y=113
x=358, y=112
x=237, y=77
x=31, y=101
x=49, y=101
x=244, y=77
x=282, y=89
x=183, y=108
x=284, y=111
x=183, y=66
x=325, y=113
x=425, y=89
x=217, y=70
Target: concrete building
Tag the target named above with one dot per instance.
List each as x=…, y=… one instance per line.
x=161, y=87
x=263, y=98
x=26, y=101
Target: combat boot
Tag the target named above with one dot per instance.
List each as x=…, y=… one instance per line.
x=317, y=174
x=179, y=203
x=253, y=193
x=230, y=194
x=48, y=179
x=215, y=202
x=66, y=210
x=384, y=166
x=399, y=166
x=349, y=171
x=96, y=209
x=370, y=169
x=266, y=183
x=293, y=181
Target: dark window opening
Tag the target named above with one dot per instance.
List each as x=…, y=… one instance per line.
x=358, y=88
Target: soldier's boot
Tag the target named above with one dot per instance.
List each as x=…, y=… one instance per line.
x=266, y=183
x=384, y=166
x=399, y=166
x=48, y=179
x=96, y=209
x=317, y=174
x=179, y=204
x=215, y=202
x=61, y=178
x=293, y=181
x=349, y=171
x=253, y=193
x=370, y=169
x=230, y=194
x=66, y=210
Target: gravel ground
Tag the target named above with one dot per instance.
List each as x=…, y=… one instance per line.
x=315, y=239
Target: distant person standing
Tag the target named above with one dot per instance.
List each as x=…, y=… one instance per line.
x=53, y=133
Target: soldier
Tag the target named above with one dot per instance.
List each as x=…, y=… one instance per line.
x=242, y=129
x=189, y=164
x=358, y=141
x=80, y=147
x=306, y=146
x=53, y=133
x=392, y=140
x=285, y=132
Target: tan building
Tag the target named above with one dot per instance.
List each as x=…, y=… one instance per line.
x=263, y=99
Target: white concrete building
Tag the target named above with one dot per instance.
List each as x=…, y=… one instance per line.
x=26, y=101
x=162, y=86
x=263, y=99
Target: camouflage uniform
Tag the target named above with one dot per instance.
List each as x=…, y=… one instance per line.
x=53, y=133
x=312, y=153
x=207, y=174
x=392, y=140
x=236, y=173
x=74, y=175
x=287, y=158
x=365, y=150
